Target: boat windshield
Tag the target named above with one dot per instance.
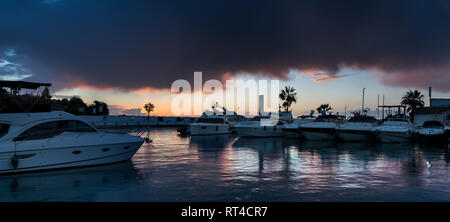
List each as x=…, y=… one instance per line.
x=366, y=119
x=3, y=129
x=51, y=129
x=432, y=124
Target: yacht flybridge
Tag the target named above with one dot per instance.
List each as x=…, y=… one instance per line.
x=53, y=140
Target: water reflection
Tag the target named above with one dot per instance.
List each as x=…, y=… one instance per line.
x=53, y=185
x=210, y=143
x=228, y=168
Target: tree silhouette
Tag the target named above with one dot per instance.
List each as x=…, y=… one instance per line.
x=356, y=114
x=325, y=107
x=413, y=100
x=288, y=96
x=149, y=107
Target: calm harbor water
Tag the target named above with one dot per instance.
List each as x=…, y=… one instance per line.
x=228, y=168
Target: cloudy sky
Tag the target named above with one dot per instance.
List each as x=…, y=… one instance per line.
x=129, y=52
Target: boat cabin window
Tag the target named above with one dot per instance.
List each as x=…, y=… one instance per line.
x=76, y=126
x=3, y=129
x=51, y=129
x=432, y=124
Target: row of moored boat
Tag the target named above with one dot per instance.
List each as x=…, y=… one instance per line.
x=323, y=127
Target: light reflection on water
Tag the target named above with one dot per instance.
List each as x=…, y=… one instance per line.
x=227, y=168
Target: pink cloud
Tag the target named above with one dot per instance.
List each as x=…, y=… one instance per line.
x=323, y=77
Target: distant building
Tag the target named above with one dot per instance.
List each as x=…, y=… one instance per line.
x=434, y=102
x=438, y=113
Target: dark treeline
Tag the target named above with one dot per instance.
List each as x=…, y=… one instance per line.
x=16, y=103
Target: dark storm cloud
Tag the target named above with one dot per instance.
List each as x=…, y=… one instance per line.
x=133, y=44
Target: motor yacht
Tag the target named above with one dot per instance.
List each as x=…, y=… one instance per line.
x=210, y=125
x=432, y=131
x=322, y=128
x=214, y=122
x=53, y=140
x=358, y=128
x=260, y=126
x=395, y=130
x=292, y=129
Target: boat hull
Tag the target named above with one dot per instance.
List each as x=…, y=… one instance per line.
x=353, y=136
x=210, y=129
x=318, y=133
x=58, y=158
x=260, y=131
x=394, y=137
x=292, y=132
x=447, y=134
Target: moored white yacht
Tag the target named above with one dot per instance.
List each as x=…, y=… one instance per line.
x=395, y=130
x=53, y=140
x=209, y=126
x=292, y=129
x=358, y=128
x=432, y=131
x=214, y=122
x=260, y=126
x=322, y=128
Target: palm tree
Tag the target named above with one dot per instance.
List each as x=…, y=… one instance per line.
x=413, y=100
x=356, y=114
x=288, y=96
x=325, y=107
x=149, y=107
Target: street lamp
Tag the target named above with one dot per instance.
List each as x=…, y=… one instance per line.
x=362, y=111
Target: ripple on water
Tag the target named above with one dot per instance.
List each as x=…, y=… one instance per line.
x=227, y=168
